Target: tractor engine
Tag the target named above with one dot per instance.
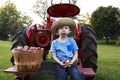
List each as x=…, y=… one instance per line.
x=37, y=36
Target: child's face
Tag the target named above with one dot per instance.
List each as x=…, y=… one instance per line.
x=64, y=30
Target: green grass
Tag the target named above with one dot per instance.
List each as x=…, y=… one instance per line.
x=5, y=60
x=108, y=62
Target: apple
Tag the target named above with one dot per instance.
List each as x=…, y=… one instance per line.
x=20, y=48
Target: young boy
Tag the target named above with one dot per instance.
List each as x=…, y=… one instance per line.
x=65, y=51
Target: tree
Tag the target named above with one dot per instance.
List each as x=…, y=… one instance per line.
x=74, y=1
x=105, y=22
x=26, y=20
x=86, y=18
x=118, y=19
x=40, y=8
x=10, y=20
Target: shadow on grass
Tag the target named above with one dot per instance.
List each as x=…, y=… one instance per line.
x=103, y=42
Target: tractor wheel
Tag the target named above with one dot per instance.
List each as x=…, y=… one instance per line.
x=89, y=49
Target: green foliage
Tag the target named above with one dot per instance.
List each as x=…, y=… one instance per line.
x=105, y=21
x=8, y=18
x=11, y=20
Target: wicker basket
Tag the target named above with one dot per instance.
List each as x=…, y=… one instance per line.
x=29, y=60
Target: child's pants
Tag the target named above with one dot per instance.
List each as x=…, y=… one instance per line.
x=61, y=73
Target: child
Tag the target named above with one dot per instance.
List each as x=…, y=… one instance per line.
x=65, y=51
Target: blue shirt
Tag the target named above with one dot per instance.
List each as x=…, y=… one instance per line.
x=64, y=51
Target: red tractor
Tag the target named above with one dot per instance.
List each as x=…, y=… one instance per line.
x=37, y=35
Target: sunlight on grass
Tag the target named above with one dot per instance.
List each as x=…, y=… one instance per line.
x=108, y=62
x=108, y=53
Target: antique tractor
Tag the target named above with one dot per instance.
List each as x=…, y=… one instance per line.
x=37, y=35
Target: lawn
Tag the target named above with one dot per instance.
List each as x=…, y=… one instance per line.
x=108, y=62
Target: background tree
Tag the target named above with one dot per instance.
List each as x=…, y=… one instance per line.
x=105, y=22
x=74, y=1
x=118, y=19
x=40, y=8
x=26, y=20
x=86, y=18
x=11, y=20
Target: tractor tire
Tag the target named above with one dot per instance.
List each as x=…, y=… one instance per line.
x=19, y=39
x=89, y=49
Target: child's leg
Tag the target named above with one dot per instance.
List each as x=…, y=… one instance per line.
x=60, y=72
x=74, y=73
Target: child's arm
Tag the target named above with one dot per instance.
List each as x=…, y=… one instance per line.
x=57, y=60
x=75, y=56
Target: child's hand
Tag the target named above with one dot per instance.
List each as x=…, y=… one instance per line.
x=62, y=64
x=70, y=63
x=67, y=63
